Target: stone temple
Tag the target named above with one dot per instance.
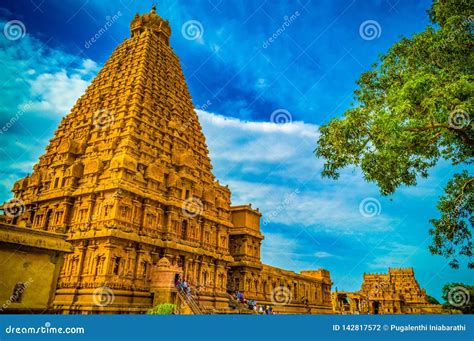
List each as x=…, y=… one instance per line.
x=395, y=292
x=128, y=180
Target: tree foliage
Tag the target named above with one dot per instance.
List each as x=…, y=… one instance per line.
x=452, y=233
x=413, y=109
x=432, y=300
x=163, y=309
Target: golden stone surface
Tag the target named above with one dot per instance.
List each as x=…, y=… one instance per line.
x=128, y=178
x=30, y=261
x=395, y=292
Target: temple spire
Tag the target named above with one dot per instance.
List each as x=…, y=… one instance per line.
x=152, y=22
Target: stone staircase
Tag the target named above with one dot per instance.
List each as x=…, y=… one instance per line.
x=242, y=308
x=192, y=303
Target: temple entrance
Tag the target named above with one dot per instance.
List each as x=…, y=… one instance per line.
x=375, y=307
x=343, y=303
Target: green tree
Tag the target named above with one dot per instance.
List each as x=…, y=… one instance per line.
x=432, y=300
x=413, y=109
x=163, y=309
x=459, y=296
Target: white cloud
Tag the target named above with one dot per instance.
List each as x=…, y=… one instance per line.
x=280, y=244
x=393, y=255
x=57, y=92
x=49, y=80
x=286, y=252
x=273, y=166
x=321, y=208
x=299, y=129
x=88, y=66
x=263, y=162
x=39, y=85
x=323, y=254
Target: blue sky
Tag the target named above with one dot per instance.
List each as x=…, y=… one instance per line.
x=304, y=77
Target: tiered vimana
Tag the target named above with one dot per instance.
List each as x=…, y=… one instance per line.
x=128, y=178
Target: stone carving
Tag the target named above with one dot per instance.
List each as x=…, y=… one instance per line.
x=395, y=292
x=115, y=178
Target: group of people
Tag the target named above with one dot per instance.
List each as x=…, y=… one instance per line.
x=182, y=285
x=252, y=304
x=239, y=297
x=266, y=310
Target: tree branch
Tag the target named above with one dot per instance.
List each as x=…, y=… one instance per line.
x=463, y=187
x=428, y=127
x=465, y=137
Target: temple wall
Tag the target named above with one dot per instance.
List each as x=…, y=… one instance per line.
x=30, y=264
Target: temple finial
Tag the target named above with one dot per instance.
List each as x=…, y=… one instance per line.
x=153, y=9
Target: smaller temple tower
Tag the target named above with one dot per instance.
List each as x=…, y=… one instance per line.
x=244, y=237
x=395, y=292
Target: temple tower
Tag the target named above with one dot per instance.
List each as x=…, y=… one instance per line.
x=128, y=178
